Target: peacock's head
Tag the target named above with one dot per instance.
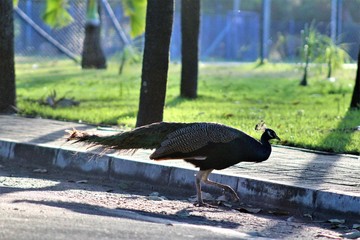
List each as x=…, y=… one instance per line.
x=268, y=133
x=271, y=134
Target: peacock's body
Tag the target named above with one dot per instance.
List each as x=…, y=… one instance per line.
x=208, y=146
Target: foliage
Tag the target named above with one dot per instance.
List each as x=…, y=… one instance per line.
x=92, y=14
x=311, y=43
x=316, y=117
x=129, y=55
x=335, y=55
x=320, y=48
x=136, y=10
x=56, y=13
x=310, y=48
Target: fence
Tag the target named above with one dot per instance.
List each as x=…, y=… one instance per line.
x=225, y=35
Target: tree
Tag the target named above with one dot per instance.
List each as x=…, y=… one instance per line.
x=355, y=100
x=7, y=65
x=190, y=24
x=335, y=55
x=159, y=19
x=309, y=48
x=57, y=15
x=93, y=55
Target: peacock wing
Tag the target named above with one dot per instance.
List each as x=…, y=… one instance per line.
x=193, y=137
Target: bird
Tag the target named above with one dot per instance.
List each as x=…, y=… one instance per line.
x=208, y=146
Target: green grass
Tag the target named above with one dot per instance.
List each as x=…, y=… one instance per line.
x=314, y=117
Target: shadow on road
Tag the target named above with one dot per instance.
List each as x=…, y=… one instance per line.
x=134, y=214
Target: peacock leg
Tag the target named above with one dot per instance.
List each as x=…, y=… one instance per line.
x=200, y=176
x=205, y=179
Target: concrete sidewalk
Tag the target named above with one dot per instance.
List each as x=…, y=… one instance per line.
x=294, y=178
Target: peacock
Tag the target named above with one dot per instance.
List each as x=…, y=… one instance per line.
x=207, y=146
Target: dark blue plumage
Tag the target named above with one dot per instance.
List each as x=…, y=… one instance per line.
x=208, y=146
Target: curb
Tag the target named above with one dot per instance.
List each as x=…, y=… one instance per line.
x=117, y=168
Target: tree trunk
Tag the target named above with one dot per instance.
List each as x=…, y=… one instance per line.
x=93, y=55
x=355, y=101
x=190, y=24
x=159, y=19
x=329, y=69
x=304, y=81
x=7, y=65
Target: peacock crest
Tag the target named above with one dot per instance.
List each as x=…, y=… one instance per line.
x=261, y=126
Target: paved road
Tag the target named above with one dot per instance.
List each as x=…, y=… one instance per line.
x=54, y=205
x=46, y=208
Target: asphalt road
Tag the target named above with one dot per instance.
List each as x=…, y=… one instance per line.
x=33, y=220
x=36, y=204
x=33, y=207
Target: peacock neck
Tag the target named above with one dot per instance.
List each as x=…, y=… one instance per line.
x=265, y=147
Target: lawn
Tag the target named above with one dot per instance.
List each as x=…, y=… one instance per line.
x=239, y=95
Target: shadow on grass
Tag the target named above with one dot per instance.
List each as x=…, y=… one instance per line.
x=45, y=80
x=340, y=137
x=179, y=100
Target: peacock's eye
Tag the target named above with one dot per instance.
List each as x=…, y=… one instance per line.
x=270, y=133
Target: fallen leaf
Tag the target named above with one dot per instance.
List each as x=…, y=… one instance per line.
x=183, y=214
x=249, y=210
x=356, y=226
x=342, y=226
x=155, y=198
x=351, y=235
x=291, y=219
x=82, y=181
x=279, y=212
x=328, y=236
x=336, y=221
x=154, y=194
x=40, y=170
x=229, y=115
x=227, y=204
x=205, y=196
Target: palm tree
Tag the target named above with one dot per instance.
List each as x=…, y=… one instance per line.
x=335, y=55
x=159, y=19
x=309, y=48
x=7, y=65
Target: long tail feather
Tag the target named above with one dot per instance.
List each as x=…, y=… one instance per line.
x=146, y=137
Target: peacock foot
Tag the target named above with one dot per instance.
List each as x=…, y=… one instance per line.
x=202, y=204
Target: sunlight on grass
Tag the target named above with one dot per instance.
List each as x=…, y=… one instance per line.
x=238, y=95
